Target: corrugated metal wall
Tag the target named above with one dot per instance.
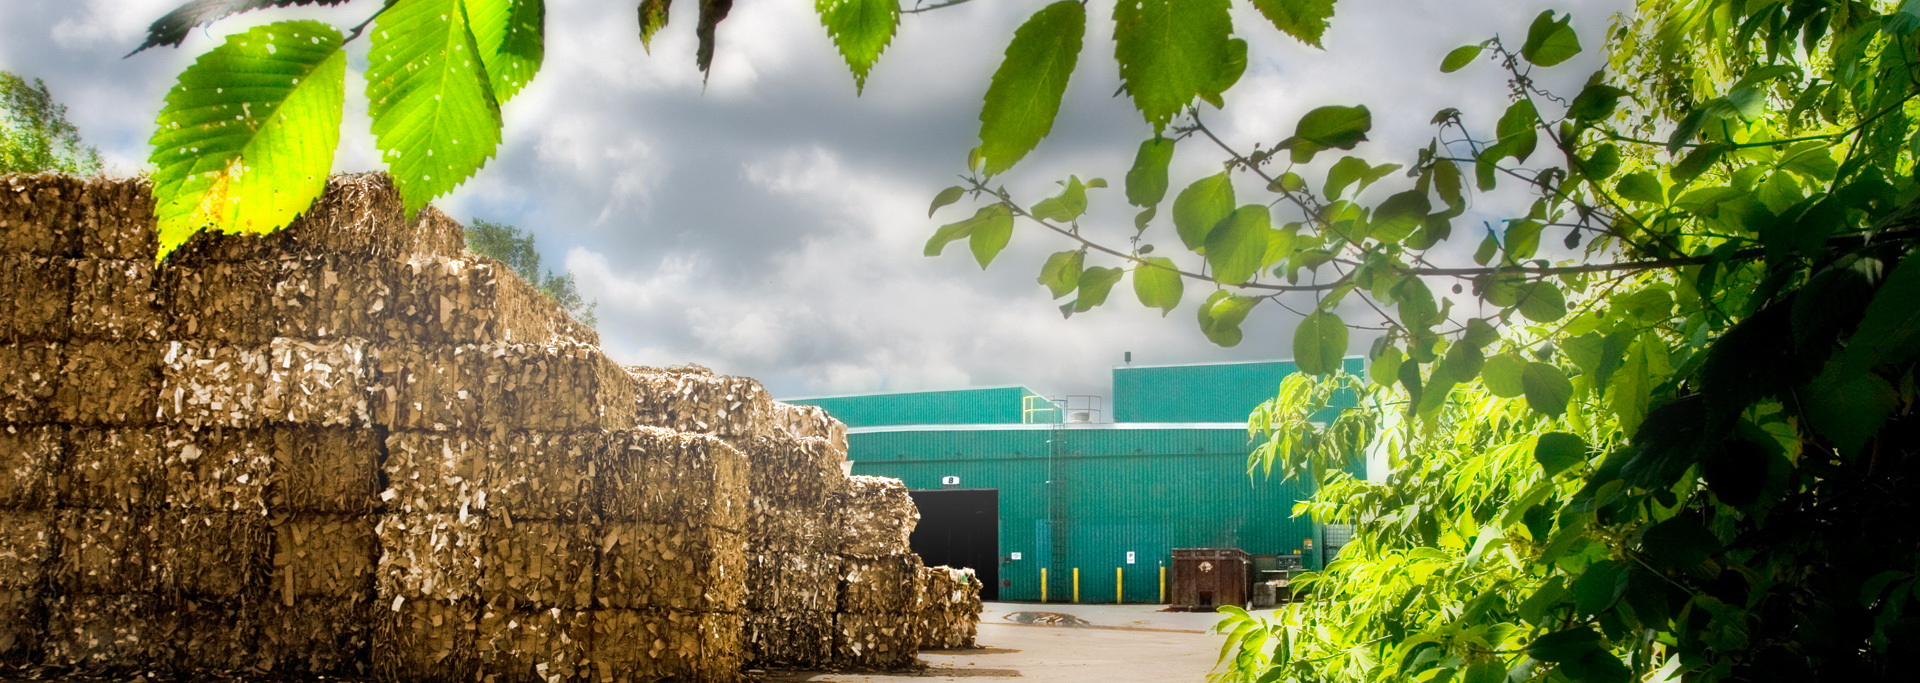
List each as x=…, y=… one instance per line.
x=1208, y=392
x=1144, y=490
x=994, y=405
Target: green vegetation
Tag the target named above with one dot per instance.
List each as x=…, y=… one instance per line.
x=507, y=244
x=35, y=134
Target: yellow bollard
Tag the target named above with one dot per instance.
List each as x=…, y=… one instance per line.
x=1163, y=585
x=1119, y=596
x=1043, y=584
x=1076, y=585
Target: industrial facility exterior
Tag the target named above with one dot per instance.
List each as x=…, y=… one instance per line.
x=1020, y=487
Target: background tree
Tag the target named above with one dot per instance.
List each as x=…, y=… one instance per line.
x=509, y=245
x=35, y=134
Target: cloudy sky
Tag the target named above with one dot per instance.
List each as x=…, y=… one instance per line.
x=769, y=222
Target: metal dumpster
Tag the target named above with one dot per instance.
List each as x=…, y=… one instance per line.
x=1205, y=578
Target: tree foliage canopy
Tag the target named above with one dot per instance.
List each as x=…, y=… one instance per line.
x=35, y=134
x=508, y=244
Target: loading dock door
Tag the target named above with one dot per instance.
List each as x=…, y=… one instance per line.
x=961, y=528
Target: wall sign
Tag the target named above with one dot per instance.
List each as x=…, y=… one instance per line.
x=1016, y=555
x=1129, y=557
x=949, y=481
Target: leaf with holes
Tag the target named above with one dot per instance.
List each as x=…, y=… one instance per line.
x=1169, y=52
x=435, y=118
x=1024, y=96
x=510, y=37
x=249, y=159
x=1305, y=20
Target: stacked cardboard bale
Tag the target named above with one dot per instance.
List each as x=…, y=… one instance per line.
x=949, y=608
x=794, y=575
x=881, y=575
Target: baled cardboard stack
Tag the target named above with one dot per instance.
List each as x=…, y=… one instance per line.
x=949, y=608
x=351, y=449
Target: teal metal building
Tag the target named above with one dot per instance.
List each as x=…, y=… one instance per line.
x=1012, y=483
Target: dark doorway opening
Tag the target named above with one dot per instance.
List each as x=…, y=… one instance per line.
x=961, y=528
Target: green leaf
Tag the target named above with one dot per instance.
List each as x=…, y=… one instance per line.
x=962, y=228
x=1598, y=666
x=1480, y=333
x=1446, y=180
x=1200, y=207
x=1550, y=42
x=1542, y=302
x=861, y=29
x=1486, y=671
x=1397, y=217
x=1604, y=162
x=1024, y=97
x=1601, y=585
x=1305, y=20
x=1502, y=375
x=1566, y=645
x=1546, y=388
x=510, y=37
x=1697, y=162
x=1335, y=126
x=1237, y=247
x=1061, y=273
x=946, y=196
x=653, y=17
x=1557, y=451
x=1169, y=51
x=435, y=118
x=1850, y=414
x=1523, y=239
x=1518, y=130
x=1595, y=103
x=1221, y=315
x=991, y=234
x=1385, y=369
x=1459, y=58
x=174, y=27
x=249, y=159
x=1679, y=542
x=1319, y=343
x=1641, y=186
x=1158, y=284
x=1069, y=205
x=1349, y=170
x=1147, y=180
x=1095, y=284
x=1230, y=73
x=1889, y=331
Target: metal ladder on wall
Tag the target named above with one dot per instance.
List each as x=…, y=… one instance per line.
x=1057, y=511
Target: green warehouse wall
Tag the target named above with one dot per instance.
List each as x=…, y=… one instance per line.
x=990, y=405
x=1120, y=488
x=1204, y=392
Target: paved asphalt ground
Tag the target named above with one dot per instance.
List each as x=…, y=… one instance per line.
x=1106, y=643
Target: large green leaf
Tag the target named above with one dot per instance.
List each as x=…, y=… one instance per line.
x=1397, y=217
x=1460, y=57
x=510, y=37
x=247, y=136
x=1061, y=272
x=991, y=235
x=1889, y=331
x=1550, y=42
x=1601, y=585
x=1305, y=20
x=861, y=29
x=1319, y=343
x=965, y=228
x=1563, y=646
x=1158, y=284
x=1147, y=180
x=1095, y=284
x=1237, y=247
x=1169, y=51
x=1557, y=451
x=1221, y=315
x=1068, y=205
x=435, y=118
x=1200, y=207
x=1329, y=127
x=1546, y=388
x=1025, y=93
x=1502, y=375
x=1850, y=414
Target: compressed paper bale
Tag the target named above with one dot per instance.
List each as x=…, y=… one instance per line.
x=104, y=552
x=535, y=475
x=786, y=471
x=102, y=632
x=35, y=295
x=37, y=214
x=117, y=299
x=113, y=468
x=427, y=387
x=325, y=469
x=663, y=476
x=666, y=566
x=877, y=641
x=212, y=301
x=877, y=517
x=210, y=384
x=723, y=647
x=437, y=472
x=26, y=548
x=537, y=565
x=218, y=470
x=333, y=297
x=474, y=299
x=29, y=458
x=888, y=584
x=210, y=555
x=108, y=383
x=325, y=559
x=789, y=639
x=317, y=383
x=22, y=627
x=949, y=608
x=202, y=637
x=790, y=582
x=782, y=529
x=554, y=387
x=426, y=556
x=693, y=399
x=316, y=638
x=811, y=421
x=630, y=645
x=425, y=640
x=115, y=219
x=535, y=645
x=29, y=374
